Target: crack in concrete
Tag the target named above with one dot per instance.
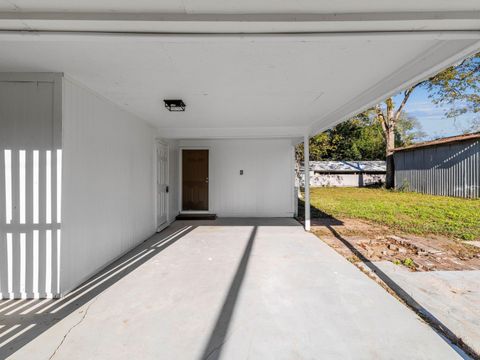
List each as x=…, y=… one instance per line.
x=73, y=327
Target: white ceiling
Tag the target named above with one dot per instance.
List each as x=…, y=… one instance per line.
x=308, y=65
x=289, y=83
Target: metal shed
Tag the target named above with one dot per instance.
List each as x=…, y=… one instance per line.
x=448, y=166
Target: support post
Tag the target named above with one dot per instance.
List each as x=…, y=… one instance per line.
x=306, y=169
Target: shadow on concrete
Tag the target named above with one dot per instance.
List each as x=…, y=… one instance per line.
x=430, y=319
x=317, y=216
x=213, y=348
x=21, y=321
x=322, y=219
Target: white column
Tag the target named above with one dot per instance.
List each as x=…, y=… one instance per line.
x=306, y=169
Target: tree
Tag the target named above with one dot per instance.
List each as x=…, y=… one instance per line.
x=457, y=86
x=359, y=138
x=408, y=131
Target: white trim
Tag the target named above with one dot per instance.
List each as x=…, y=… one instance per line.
x=180, y=179
x=218, y=23
x=31, y=77
x=249, y=18
x=292, y=181
x=280, y=132
x=306, y=169
x=165, y=225
x=311, y=36
x=160, y=227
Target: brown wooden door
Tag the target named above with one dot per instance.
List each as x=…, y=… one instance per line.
x=195, y=180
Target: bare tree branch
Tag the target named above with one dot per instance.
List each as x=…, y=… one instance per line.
x=406, y=95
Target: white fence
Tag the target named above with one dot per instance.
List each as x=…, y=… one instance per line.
x=30, y=231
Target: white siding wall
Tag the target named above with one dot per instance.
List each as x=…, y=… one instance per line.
x=173, y=180
x=108, y=184
x=30, y=139
x=265, y=189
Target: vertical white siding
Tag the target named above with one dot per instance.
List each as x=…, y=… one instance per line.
x=108, y=183
x=30, y=140
x=265, y=188
x=173, y=180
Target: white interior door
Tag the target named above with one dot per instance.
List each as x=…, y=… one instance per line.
x=162, y=184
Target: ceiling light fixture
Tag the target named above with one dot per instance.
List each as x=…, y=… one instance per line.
x=175, y=105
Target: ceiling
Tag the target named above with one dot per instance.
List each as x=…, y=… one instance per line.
x=241, y=82
x=244, y=68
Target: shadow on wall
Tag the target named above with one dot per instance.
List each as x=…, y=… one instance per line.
x=21, y=321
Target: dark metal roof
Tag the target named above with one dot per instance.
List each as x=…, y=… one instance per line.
x=442, y=141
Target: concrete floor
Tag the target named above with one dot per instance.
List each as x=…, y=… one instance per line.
x=230, y=289
x=452, y=297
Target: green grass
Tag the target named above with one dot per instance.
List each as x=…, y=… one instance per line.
x=405, y=211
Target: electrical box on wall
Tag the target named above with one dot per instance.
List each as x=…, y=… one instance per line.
x=241, y=172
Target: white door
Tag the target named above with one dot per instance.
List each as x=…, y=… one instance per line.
x=162, y=184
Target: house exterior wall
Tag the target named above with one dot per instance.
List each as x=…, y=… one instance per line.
x=30, y=148
x=108, y=183
x=450, y=169
x=265, y=188
x=173, y=200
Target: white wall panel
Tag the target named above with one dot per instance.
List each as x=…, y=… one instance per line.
x=265, y=188
x=173, y=180
x=108, y=187
x=30, y=138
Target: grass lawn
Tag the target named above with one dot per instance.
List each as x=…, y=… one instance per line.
x=408, y=212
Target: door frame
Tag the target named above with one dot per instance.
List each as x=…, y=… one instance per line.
x=160, y=227
x=180, y=180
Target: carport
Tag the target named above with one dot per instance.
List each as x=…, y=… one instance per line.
x=93, y=162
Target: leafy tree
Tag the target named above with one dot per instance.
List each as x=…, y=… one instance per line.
x=457, y=86
x=408, y=131
x=359, y=138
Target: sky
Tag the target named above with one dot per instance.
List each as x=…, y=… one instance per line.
x=431, y=117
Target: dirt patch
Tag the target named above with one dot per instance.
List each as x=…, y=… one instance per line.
x=358, y=240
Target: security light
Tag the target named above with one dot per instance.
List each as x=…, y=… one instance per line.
x=175, y=105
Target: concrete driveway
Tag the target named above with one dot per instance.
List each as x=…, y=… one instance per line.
x=229, y=289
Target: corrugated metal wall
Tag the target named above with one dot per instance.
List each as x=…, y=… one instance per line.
x=447, y=169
